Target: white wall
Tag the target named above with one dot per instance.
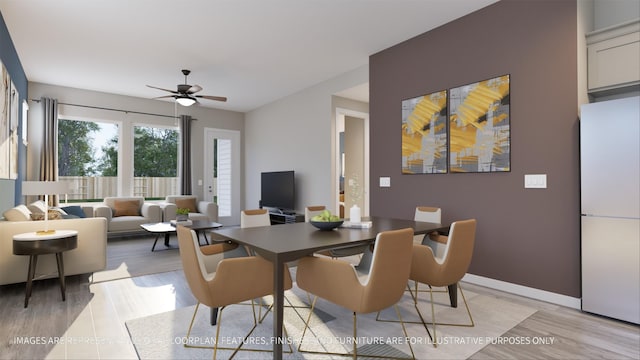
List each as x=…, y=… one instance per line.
x=206, y=117
x=614, y=12
x=585, y=25
x=295, y=133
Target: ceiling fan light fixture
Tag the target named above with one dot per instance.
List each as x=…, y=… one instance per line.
x=185, y=100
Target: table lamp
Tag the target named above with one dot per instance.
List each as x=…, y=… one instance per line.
x=45, y=188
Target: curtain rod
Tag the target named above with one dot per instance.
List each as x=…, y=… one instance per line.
x=110, y=109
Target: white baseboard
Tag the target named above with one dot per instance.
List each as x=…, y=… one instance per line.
x=526, y=291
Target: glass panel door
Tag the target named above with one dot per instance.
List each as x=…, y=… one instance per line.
x=222, y=173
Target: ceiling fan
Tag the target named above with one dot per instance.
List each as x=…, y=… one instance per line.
x=185, y=94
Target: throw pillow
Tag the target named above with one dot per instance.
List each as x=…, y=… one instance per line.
x=37, y=207
x=126, y=208
x=18, y=213
x=187, y=203
x=74, y=210
x=53, y=215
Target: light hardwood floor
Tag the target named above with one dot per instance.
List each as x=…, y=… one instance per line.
x=90, y=324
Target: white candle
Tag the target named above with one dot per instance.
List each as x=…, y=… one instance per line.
x=354, y=214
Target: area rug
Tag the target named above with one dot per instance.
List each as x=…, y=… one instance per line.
x=162, y=336
x=132, y=256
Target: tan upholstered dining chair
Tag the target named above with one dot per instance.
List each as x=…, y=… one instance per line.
x=254, y=218
x=430, y=270
x=337, y=281
x=434, y=240
x=234, y=281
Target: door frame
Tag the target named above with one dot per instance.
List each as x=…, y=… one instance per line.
x=236, y=156
x=340, y=115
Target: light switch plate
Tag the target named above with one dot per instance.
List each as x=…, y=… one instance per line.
x=385, y=181
x=535, y=181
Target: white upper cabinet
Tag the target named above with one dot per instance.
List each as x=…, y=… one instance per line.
x=613, y=56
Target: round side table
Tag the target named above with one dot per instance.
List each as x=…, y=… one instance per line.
x=34, y=244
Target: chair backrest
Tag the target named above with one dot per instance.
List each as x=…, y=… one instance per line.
x=390, y=270
x=192, y=264
x=311, y=211
x=457, y=254
x=254, y=217
x=428, y=214
x=235, y=280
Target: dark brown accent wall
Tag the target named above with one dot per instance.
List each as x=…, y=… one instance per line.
x=529, y=237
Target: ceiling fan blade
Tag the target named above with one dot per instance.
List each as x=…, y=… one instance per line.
x=194, y=89
x=216, y=98
x=154, y=87
x=163, y=97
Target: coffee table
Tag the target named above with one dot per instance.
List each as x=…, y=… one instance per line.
x=167, y=229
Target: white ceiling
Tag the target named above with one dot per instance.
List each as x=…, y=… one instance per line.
x=252, y=51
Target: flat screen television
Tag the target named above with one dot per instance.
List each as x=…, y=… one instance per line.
x=278, y=190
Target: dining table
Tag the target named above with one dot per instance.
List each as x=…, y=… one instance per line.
x=284, y=243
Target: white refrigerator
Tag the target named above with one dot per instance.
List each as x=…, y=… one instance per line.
x=610, y=208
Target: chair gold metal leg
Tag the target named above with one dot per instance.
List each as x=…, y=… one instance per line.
x=433, y=319
x=354, y=353
x=433, y=338
x=404, y=329
x=415, y=300
x=466, y=305
x=217, y=337
x=294, y=307
x=306, y=323
x=193, y=318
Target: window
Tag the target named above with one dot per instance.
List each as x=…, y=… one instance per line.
x=155, y=162
x=88, y=159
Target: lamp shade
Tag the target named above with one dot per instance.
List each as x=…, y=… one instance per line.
x=44, y=187
x=185, y=100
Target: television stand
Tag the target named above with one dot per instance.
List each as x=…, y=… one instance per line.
x=278, y=218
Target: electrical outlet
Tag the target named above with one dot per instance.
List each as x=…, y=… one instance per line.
x=535, y=181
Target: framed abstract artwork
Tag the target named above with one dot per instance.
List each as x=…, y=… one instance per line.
x=5, y=124
x=479, y=127
x=14, y=106
x=424, y=134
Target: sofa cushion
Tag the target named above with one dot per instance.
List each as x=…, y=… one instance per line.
x=126, y=208
x=187, y=203
x=18, y=213
x=74, y=210
x=126, y=224
x=37, y=207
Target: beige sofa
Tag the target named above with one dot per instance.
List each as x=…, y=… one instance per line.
x=89, y=256
x=199, y=210
x=125, y=214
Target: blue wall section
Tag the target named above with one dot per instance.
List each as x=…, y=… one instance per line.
x=10, y=59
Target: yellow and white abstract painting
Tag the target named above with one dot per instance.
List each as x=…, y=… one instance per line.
x=424, y=134
x=479, y=127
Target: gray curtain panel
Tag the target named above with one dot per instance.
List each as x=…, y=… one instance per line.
x=185, y=154
x=49, y=152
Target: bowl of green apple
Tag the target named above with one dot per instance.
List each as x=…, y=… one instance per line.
x=326, y=221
